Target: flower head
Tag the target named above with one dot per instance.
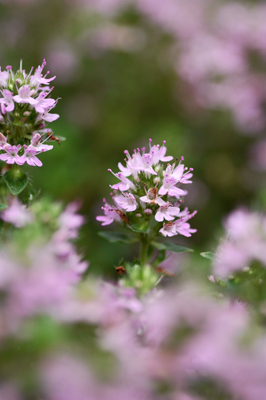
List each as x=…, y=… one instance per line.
x=147, y=187
x=26, y=99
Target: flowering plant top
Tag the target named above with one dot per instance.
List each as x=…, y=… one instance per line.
x=25, y=108
x=147, y=201
x=149, y=189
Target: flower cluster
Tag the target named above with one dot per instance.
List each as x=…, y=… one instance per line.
x=245, y=243
x=148, y=189
x=25, y=108
x=39, y=273
x=212, y=53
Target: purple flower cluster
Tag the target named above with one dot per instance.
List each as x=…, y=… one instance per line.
x=212, y=53
x=40, y=274
x=25, y=111
x=245, y=242
x=179, y=338
x=148, y=189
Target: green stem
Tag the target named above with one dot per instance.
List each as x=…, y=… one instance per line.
x=143, y=251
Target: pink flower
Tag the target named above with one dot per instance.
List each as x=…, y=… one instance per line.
x=168, y=229
x=173, y=176
x=125, y=183
x=167, y=212
x=152, y=197
x=29, y=156
x=70, y=221
x=11, y=156
x=43, y=104
x=38, y=77
x=126, y=201
x=36, y=143
x=158, y=153
x=134, y=164
x=7, y=103
x=111, y=214
x=3, y=142
x=147, y=162
x=4, y=75
x=183, y=228
x=17, y=214
x=24, y=95
x=46, y=116
x=179, y=226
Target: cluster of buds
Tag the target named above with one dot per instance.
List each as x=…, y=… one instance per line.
x=25, y=111
x=148, y=190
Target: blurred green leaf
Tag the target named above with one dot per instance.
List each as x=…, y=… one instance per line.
x=3, y=206
x=15, y=179
x=176, y=248
x=207, y=254
x=117, y=237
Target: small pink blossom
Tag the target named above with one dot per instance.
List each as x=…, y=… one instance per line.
x=152, y=197
x=125, y=183
x=24, y=95
x=4, y=75
x=167, y=211
x=147, y=162
x=158, y=153
x=111, y=214
x=134, y=164
x=168, y=229
x=126, y=201
x=179, y=226
x=17, y=214
x=7, y=103
x=173, y=177
x=11, y=156
x=3, y=142
x=46, y=116
x=38, y=78
x=38, y=145
x=29, y=156
x=43, y=104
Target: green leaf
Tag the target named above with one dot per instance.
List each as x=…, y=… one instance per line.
x=117, y=237
x=141, y=227
x=207, y=254
x=3, y=206
x=176, y=248
x=15, y=179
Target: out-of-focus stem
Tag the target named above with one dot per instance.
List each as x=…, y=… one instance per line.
x=143, y=250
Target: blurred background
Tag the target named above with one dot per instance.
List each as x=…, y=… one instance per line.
x=191, y=72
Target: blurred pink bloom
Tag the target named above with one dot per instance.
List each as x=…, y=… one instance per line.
x=246, y=238
x=17, y=214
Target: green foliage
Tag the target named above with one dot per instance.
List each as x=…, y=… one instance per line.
x=169, y=246
x=143, y=278
x=117, y=237
x=207, y=254
x=15, y=179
